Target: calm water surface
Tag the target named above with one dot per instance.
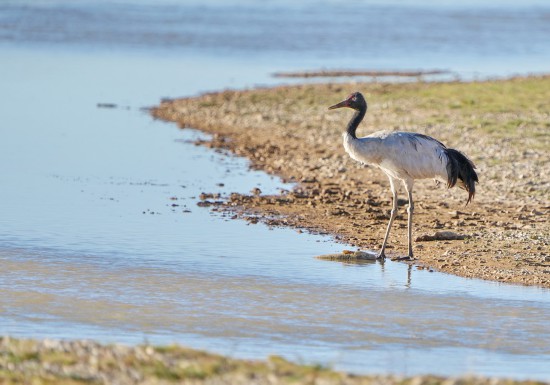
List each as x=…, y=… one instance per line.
x=100, y=235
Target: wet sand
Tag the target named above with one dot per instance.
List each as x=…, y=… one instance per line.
x=502, y=125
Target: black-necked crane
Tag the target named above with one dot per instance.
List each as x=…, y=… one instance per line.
x=405, y=157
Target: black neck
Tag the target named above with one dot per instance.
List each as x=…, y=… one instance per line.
x=354, y=122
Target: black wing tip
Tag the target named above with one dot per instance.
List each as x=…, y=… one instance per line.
x=460, y=167
x=471, y=195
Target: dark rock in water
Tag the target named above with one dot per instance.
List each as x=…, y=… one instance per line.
x=208, y=203
x=106, y=105
x=347, y=255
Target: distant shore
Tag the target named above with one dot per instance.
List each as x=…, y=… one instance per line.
x=86, y=362
x=357, y=73
x=503, y=126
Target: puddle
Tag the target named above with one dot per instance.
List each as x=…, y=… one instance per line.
x=101, y=237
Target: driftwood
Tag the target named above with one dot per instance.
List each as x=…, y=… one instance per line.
x=441, y=236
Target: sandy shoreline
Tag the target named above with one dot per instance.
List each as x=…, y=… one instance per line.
x=503, y=126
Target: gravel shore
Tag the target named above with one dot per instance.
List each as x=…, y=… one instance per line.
x=85, y=362
x=502, y=125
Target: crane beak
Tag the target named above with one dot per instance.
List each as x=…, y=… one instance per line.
x=343, y=103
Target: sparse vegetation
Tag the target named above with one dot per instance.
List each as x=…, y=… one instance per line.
x=86, y=362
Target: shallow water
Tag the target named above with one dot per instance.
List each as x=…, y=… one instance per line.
x=471, y=38
x=100, y=235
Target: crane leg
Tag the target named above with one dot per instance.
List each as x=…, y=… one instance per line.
x=410, y=209
x=393, y=213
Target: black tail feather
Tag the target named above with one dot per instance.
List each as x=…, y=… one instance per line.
x=460, y=167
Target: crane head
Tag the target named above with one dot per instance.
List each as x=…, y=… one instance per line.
x=355, y=101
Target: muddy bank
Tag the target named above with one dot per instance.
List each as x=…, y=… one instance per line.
x=356, y=73
x=87, y=362
x=503, y=126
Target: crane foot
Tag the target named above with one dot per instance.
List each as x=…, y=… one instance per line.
x=404, y=258
x=381, y=255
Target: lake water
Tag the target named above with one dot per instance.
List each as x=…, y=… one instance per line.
x=100, y=234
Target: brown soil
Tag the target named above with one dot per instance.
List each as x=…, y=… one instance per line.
x=503, y=126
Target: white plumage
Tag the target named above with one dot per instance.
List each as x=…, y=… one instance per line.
x=401, y=155
x=405, y=156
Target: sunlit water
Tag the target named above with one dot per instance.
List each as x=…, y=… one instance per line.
x=101, y=237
